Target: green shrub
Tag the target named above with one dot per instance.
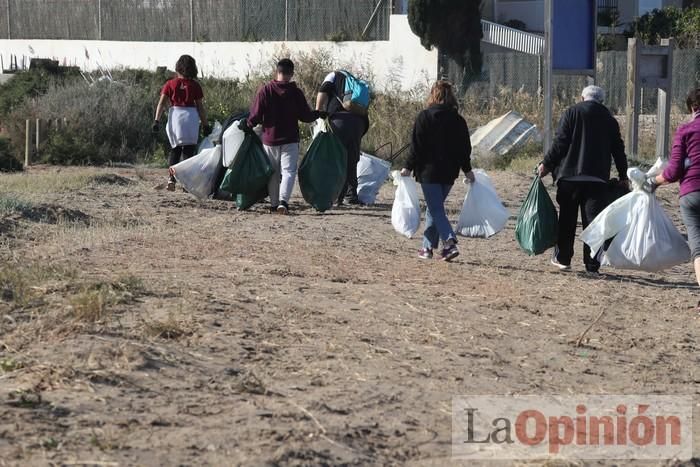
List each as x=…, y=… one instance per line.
x=28, y=84
x=8, y=163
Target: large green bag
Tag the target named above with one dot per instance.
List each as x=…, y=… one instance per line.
x=536, y=229
x=324, y=169
x=248, y=175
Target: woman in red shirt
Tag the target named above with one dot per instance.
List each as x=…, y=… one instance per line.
x=185, y=95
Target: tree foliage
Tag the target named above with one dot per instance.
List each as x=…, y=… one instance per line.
x=453, y=26
x=683, y=25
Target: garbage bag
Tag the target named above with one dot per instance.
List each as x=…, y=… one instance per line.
x=483, y=213
x=372, y=172
x=323, y=170
x=231, y=142
x=244, y=201
x=198, y=174
x=209, y=141
x=250, y=172
x=537, y=225
x=405, y=213
x=643, y=236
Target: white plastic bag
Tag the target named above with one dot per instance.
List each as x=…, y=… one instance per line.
x=405, y=213
x=644, y=238
x=372, y=172
x=231, y=142
x=198, y=174
x=208, y=142
x=483, y=213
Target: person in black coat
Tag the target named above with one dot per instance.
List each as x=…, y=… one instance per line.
x=440, y=147
x=587, y=141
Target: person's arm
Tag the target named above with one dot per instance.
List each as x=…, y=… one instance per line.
x=321, y=101
x=467, y=162
x=560, y=145
x=202, y=113
x=160, y=108
x=306, y=115
x=257, y=110
x=676, y=166
x=618, y=152
x=414, y=153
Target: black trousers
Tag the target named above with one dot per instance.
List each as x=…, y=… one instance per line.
x=591, y=198
x=180, y=153
x=349, y=128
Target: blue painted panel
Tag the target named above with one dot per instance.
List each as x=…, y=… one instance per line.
x=573, y=34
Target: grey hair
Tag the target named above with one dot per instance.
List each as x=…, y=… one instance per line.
x=593, y=93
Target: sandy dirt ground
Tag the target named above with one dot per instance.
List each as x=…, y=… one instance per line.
x=144, y=327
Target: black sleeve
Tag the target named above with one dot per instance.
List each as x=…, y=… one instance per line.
x=467, y=161
x=561, y=143
x=618, y=150
x=417, y=137
x=328, y=88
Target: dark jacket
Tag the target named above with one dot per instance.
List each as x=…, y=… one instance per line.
x=336, y=91
x=440, y=146
x=587, y=137
x=279, y=106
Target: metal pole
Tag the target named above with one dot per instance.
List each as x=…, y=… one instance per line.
x=372, y=18
x=547, y=75
x=633, y=96
x=9, y=23
x=191, y=20
x=663, y=119
x=38, y=138
x=99, y=19
x=27, y=141
x=286, y=20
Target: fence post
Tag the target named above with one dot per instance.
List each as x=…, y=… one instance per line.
x=9, y=23
x=286, y=20
x=99, y=20
x=37, y=143
x=27, y=142
x=191, y=20
x=634, y=92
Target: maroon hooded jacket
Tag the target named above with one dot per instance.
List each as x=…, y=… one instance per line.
x=279, y=106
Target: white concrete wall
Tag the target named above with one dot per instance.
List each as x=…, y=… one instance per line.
x=398, y=61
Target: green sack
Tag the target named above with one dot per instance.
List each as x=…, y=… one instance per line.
x=251, y=169
x=536, y=229
x=244, y=202
x=323, y=171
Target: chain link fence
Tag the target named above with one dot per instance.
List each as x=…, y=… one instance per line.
x=196, y=20
x=518, y=72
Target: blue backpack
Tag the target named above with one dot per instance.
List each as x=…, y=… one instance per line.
x=356, y=96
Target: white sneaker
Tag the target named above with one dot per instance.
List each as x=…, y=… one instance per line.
x=555, y=262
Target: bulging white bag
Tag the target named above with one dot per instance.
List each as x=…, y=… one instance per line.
x=231, y=142
x=483, y=213
x=198, y=174
x=644, y=238
x=208, y=142
x=372, y=172
x=405, y=213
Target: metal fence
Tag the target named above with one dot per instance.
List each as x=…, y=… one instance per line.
x=195, y=20
x=518, y=72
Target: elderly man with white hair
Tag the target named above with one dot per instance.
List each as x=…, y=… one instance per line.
x=587, y=141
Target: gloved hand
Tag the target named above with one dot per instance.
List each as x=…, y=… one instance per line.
x=469, y=177
x=243, y=126
x=322, y=114
x=405, y=172
x=650, y=185
x=156, y=126
x=206, y=129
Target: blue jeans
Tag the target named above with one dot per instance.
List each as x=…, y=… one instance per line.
x=437, y=226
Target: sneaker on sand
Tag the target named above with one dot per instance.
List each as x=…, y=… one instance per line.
x=555, y=261
x=171, y=185
x=450, y=252
x=283, y=208
x=353, y=199
x=425, y=253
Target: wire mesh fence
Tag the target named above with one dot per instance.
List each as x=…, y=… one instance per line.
x=195, y=20
x=517, y=72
